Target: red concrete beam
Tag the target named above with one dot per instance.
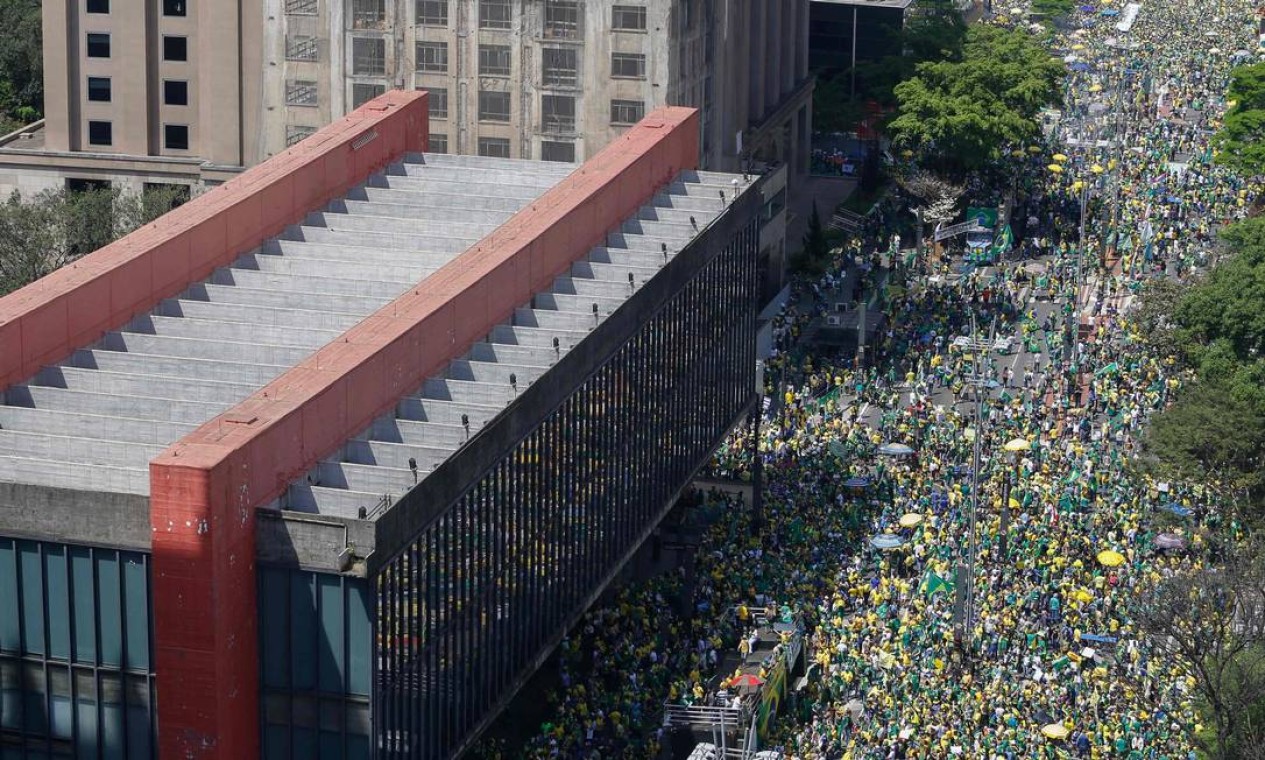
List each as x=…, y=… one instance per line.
x=204, y=488
x=74, y=306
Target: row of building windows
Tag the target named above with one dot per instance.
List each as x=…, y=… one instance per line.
x=175, y=91
x=175, y=136
x=558, y=112
x=562, y=17
x=175, y=48
x=559, y=66
x=561, y=20
x=499, y=147
x=177, y=8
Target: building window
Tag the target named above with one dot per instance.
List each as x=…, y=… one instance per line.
x=438, y=143
x=98, y=45
x=432, y=56
x=494, y=60
x=176, y=136
x=628, y=18
x=100, y=133
x=557, y=151
x=432, y=12
x=369, y=56
x=494, y=106
x=295, y=134
x=175, y=48
x=437, y=98
x=559, y=67
x=562, y=20
x=495, y=147
x=557, y=113
x=175, y=92
x=363, y=93
x=302, y=48
x=627, y=111
x=368, y=14
x=301, y=93
x=98, y=6
x=302, y=7
x=175, y=8
x=628, y=65
x=99, y=89
x=494, y=14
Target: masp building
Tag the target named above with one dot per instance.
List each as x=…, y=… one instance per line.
x=324, y=462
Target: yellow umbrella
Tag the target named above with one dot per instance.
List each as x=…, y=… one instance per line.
x=1017, y=153
x=1034, y=149
x=1096, y=169
x=1015, y=445
x=1078, y=46
x=1096, y=88
x=910, y=520
x=1060, y=157
x=1110, y=558
x=1077, y=185
x=1055, y=168
x=1083, y=596
x=1055, y=731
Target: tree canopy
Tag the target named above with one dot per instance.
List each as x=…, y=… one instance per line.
x=1215, y=431
x=958, y=114
x=21, y=63
x=1241, y=139
x=53, y=228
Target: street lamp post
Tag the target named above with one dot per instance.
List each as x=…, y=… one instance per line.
x=1013, y=447
x=964, y=625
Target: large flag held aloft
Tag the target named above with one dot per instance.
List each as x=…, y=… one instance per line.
x=933, y=584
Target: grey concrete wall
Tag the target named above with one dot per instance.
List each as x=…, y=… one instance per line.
x=76, y=517
x=287, y=539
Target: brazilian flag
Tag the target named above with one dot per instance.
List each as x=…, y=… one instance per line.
x=1002, y=243
x=934, y=584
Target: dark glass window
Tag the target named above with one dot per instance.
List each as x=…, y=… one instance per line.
x=628, y=18
x=99, y=89
x=100, y=133
x=98, y=6
x=495, y=147
x=175, y=48
x=175, y=7
x=98, y=45
x=557, y=151
x=494, y=106
x=176, y=136
x=175, y=92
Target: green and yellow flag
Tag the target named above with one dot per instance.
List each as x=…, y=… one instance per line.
x=933, y=584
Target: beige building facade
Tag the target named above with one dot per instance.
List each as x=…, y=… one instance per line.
x=191, y=91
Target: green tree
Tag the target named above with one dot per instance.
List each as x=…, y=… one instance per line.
x=53, y=228
x=816, y=246
x=959, y=114
x=1241, y=139
x=834, y=110
x=1215, y=430
x=21, y=63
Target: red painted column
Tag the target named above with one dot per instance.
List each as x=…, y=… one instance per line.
x=202, y=511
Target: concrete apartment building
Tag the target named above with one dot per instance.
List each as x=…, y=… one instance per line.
x=192, y=91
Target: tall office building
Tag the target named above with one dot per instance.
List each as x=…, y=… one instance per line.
x=191, y=91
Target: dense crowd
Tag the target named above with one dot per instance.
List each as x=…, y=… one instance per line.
x=1051, y=664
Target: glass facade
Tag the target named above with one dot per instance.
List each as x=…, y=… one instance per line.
x=483, y=590
x=76, y=678
x=315, y=671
